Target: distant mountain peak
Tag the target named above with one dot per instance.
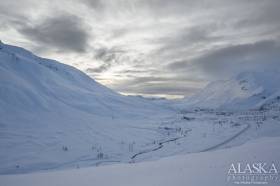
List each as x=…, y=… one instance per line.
x=243, y=91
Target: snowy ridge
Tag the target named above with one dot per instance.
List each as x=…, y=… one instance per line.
x=50, y=82
x=47, y=108
x=248, y=90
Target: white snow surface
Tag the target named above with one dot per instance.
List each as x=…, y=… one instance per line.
x=248, y=90
x=197, y=169
x=55, y=117
x=46, y=105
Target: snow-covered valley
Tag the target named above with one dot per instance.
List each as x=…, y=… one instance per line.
x=195, y=169
x=54, y=117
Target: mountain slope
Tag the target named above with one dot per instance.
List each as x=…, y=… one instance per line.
x=247, y=90
x=46, y=83
x=48, y=109
x=52, y=116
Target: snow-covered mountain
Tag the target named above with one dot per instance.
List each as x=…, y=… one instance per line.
x=53, y=116
x=248, y=90
x=47, y=107
x=29, y=82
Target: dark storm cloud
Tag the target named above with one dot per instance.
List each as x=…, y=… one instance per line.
x=262, y=55
x=151, y=46
x=190, y=35
x=177, y=45
x=227, y=61
x=12, y=18
x=99, y=69
x=267, y=15
x=64, y=32
x=96, y=4
x=167, y=7
x=108, y=57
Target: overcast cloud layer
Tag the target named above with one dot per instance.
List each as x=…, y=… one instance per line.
x=150, y=47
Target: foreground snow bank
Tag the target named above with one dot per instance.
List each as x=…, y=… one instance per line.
x=207, y=168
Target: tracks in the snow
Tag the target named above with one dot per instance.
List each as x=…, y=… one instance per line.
x=160, y=145
x=228, y=140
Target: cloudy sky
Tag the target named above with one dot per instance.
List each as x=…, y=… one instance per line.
x=166, y=48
